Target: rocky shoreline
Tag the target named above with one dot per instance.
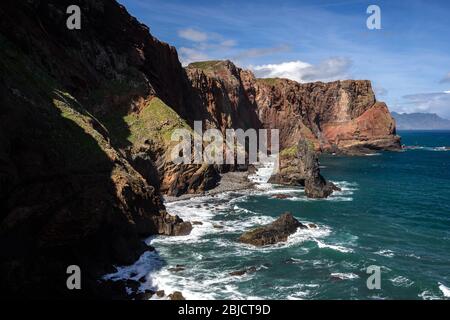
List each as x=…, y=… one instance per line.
x=230, y=181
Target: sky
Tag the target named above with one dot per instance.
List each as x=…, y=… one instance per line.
x=407, y=60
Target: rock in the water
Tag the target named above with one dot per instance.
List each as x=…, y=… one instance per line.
x=277, y=231
x=172, y=225
x=315, y=184
x=281, y=196
x=300, y=166
x=243, y=271
x=177, y=268
x=176, y=295
x=160, y=293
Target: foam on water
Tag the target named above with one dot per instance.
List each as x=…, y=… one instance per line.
x=401, y=281
x=386, y=253
x=263, y=172
x=334, y=247
x=427, y=295
x=445, y=290
x=345, y=276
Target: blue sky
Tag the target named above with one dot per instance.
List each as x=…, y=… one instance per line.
x=408, y=60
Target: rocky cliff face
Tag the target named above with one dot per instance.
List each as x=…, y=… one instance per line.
x=69, y=194
x=339, y=116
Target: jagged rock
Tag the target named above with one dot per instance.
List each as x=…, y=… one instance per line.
x=146, y=295
x=277, y=231
x=176, y=295
x=315, y=184
x=160, y=293
x=199, y=223
x=177, y=268
x=172, y=225
x=339, y=114
x=243, y=271
x=300, y=166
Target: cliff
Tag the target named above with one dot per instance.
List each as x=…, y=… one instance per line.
x=85, y=125
x=341, y=116
x=68, y=192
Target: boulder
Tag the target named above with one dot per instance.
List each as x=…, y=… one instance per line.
x=243, y=271
x=277, y=231
x=171, y=225
x=176, y=295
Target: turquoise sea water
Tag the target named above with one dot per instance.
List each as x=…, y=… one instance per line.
x=393, y=212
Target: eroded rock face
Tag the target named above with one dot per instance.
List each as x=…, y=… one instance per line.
x=277, y=231
x=299, y=166
x=340, y=115
x=172, y=225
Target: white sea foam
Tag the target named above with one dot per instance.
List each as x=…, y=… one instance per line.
x=345, y=276
x=426, y=148
x=263, y=173
x=372, y=154
x=149, y=262
x=427, y=295
x=226, y=209
x=334, y=247
x=401, y=281
x=445, y=290
x=386, y=253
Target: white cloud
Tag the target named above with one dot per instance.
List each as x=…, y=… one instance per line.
x=434, y=102
x=193, y=35
x=328, y=70
x=188, y=55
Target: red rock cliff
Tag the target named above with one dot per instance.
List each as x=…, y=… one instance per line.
x=338, y=116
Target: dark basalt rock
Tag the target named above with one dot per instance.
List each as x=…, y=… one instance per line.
x=315, y=184
x=243, y=271
x=277, y=231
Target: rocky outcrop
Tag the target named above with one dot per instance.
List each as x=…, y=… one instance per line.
x=172, y=225
x=277, y=231
x=224, y=95
x=339, y=116
x=299, y=166
x=315, y=184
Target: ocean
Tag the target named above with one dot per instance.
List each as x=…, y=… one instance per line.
x=393, y=212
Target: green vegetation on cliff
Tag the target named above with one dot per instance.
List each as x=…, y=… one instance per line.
x=205, y=65
x=156, y=121
x=268, y=81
